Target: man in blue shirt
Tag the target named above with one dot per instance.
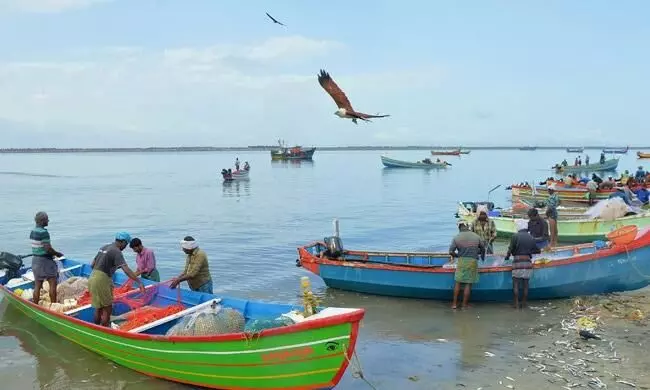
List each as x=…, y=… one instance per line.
x=640, y=174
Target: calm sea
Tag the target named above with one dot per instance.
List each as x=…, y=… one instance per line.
x=250, y=231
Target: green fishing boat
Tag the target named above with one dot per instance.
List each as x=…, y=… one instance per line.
x=569, y=230
x=311, y=352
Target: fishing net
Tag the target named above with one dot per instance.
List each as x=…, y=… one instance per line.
x=85, y=299
x=72, y=288
x=260, y=324
x=210, y=321
x=142, y=310
x=609, y=209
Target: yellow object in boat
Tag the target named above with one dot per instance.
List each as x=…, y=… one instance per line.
x=543, y=260
x=18, y=291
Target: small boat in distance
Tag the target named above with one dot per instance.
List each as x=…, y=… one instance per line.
x=291, y=153
x=608, y=165
x=311, y=352
x=575, y=150
x=455, y=152
x=424, y=164
x=528, y=148
x=617, y=150
x=643, y=155
x=230, y=175
x=594, y=268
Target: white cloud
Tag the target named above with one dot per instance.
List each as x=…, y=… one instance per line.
x=219, y=94
x=47, y=5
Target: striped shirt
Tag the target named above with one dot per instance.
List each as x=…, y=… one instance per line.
x=38, y=237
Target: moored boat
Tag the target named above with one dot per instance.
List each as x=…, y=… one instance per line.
x=617, y=150
x=455, y=152
x=595, y=268
x=465, y=151
x=230, y=175
x=519, y=210
x=608, y=165
x=425, y=164
x=575, y=150
x=575, y=230
x=292, y=153
x=311, y=353
x=643, y=155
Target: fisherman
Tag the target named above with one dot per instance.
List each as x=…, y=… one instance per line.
x=247, y=167
x=485, y=228
x=197, y=270
x=565, y=163
x=43, y=265
x=575, y=163
x=538, y=228
x=602, y=158
x=587, y=160
x=236, y=163
x=640, y=174
x=145, y=261
x=467, y=247
x=579, y=161
x=522, y=247
x=596, y=178
x=552, y=202
x=625, y=176
x=100, y=283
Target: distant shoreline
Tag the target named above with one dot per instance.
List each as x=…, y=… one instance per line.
x=266, y=148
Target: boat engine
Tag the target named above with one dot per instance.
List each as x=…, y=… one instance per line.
x=11, y=263
x=334, y=247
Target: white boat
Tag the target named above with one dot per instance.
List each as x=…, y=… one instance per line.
x=241, y=174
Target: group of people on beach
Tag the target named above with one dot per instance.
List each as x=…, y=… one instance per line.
x=108, y=259
x=475, y=240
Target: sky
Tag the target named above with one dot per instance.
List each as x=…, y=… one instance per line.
x=135, y=73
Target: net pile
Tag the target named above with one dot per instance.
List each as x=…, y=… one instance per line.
x=209, y=322
x=143, y=312
x=72, y=288
x=84, y=299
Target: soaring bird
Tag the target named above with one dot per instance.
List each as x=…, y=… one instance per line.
x=274, y=20
x=345, y=108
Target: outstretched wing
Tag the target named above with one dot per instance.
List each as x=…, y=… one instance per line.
x=364, y=116
x=273, y=19
x=334, y=91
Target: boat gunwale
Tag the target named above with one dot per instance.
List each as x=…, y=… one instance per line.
x=338, y=319
x=640, y=242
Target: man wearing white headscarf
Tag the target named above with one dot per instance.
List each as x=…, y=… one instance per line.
x=197, y=270
x=485, y=228
x=522, y=247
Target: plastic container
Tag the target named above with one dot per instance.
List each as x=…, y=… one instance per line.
x=624, y=235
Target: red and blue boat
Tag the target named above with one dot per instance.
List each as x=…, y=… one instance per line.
x=585, y=269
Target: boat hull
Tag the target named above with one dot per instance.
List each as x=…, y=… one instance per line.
x=608, y=165
x=392, y=163
x=612, y=270
x=446, y=152
x=569, y=230
x=575, y=150
x=282, y=154
x=238, y=176
x=643, y=155
x=314, y=356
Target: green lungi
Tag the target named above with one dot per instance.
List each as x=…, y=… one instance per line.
x=466, y=270
x=100, y=286
x=153, y=275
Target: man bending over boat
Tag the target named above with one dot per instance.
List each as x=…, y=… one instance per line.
x=522, y=247
x=466, y=246
x=100, y=283
x=197, y=270
x=43, y=265
x=145, y=261
x=538, y=228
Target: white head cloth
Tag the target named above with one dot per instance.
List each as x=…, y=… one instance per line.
x=481, y=208
x=521, y=224
x=189, y=245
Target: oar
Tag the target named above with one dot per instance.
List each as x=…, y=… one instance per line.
x=489, y=192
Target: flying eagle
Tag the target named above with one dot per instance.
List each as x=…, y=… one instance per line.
x=345, y=108
x=274, y=20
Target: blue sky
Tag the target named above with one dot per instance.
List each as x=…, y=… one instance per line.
x=206, y=72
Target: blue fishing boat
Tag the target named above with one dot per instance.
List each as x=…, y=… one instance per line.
x=424, y=164
x=599, y=267
x=607, y=165
x=251, y=347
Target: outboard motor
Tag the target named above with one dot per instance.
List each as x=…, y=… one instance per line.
x=11, y=263
x=334, y=247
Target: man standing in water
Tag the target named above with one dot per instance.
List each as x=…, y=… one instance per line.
x=551, y=213
x=43, y=265
x=467, y=246
x=197, y=270
x=522, y=247
x=485, y=228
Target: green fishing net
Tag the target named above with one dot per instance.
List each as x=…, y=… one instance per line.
x=258, y=325
x=208, y=322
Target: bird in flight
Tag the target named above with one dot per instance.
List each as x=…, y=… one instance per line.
x=345, y=108
x=274, y=20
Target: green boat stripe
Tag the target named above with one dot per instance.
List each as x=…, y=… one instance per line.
x=38, y=313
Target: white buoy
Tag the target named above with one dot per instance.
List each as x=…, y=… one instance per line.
x=337, y=232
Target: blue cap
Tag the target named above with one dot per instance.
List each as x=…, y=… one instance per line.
x=123, y=236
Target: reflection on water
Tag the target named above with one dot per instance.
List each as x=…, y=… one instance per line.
x=291, y=163
x=236, y=188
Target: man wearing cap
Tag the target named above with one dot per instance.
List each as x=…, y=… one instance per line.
x=197, y=270
x=467, y=246
x=485, y=228
x=43, y=265
x=552, y=202
x=522, y=247
x=100, y=283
